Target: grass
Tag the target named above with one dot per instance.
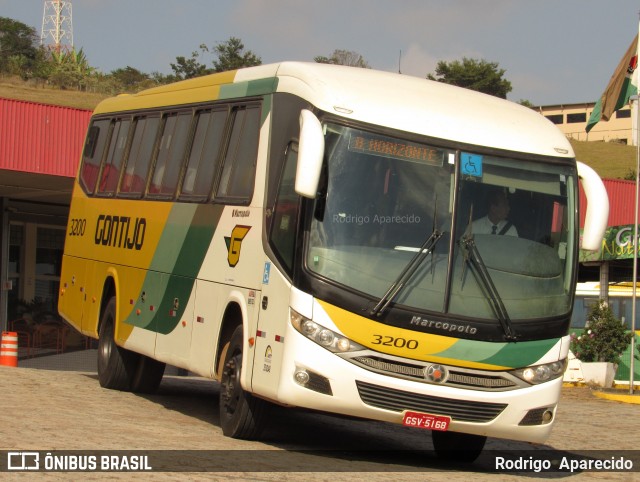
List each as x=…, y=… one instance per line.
x=609, y=160
x=14, y=88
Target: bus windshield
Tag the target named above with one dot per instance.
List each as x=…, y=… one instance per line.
x=389, y=223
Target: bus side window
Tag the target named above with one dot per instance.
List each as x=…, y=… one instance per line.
x=171, y=153
x=92, y=154
x=135, y=175
x=110, y=173
x=238, y=172
x=285, y=213
x=203, y=155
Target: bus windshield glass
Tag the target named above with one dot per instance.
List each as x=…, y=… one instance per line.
x=384, y=201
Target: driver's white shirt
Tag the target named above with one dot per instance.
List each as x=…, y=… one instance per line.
x=485, y=226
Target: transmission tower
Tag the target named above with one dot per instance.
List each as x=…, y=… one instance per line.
x=57, y=25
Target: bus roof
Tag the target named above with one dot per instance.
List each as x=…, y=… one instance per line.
x=388, y=99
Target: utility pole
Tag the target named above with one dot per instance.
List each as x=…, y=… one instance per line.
x=57, y=25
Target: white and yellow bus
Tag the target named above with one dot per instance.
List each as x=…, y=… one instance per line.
x=303, y=234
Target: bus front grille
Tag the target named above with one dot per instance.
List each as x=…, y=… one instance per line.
x=399, y=401
x=457, y=377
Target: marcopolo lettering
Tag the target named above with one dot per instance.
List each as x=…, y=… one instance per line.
x=444, y=325
x=120, y=231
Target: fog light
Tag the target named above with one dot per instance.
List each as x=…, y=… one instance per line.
x=312, y=381
x=537, y=416
x=301, y=377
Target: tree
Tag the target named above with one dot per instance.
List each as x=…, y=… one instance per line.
x=231, y=56
x=131, y=79
x=18, y=47
x=189, y=68
x=344, y=57
x=71, y=69
x=473, y=74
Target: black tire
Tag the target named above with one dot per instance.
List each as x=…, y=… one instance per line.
x=148, y=375
x=116, y=365
x=456, y=446
x=242, y=415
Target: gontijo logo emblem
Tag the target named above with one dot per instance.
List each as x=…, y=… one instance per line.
x=234, y=243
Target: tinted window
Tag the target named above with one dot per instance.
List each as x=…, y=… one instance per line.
x=111, y=168
x=556, y=118
x=238, y=173
x=285, y=213
x=171, y=153
x=140, y=154
x=202, y=162
x=578, y=117
x=93, y=151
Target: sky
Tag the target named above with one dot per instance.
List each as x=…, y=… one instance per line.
x=552, y=51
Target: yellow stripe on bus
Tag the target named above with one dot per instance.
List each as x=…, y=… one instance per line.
x=399, y=341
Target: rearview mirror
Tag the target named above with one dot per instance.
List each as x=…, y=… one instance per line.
x=310, y=155
x=597, y=215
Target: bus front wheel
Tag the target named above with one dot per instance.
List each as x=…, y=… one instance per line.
x=456, y=446
x=242, y=415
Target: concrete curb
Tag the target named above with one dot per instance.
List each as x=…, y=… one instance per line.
x=619, y=395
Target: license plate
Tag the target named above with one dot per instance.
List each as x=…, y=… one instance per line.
x=426, y=421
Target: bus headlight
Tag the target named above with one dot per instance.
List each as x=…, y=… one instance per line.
x=324, y=337
x=541, y=373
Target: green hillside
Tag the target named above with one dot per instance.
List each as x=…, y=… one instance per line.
x=14, y=88
x=608, y=159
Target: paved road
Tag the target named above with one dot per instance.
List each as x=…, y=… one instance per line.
x=45, y=410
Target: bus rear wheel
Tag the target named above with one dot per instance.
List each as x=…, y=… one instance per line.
x=148, y=375
x=456, y=446
x=242, y=415
x=116, y=365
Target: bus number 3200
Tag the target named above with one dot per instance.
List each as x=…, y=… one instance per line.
x=396, y=342
x=77, y=227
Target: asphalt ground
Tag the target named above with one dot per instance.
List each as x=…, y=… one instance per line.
x=65, y=413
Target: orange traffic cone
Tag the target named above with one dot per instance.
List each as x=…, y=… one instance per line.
x=9, y=349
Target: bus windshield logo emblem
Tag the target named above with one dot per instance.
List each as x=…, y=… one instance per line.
x=234, y=243
x=436, y=373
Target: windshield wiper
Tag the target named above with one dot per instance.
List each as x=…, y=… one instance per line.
x=406, y=274
x=472, y=255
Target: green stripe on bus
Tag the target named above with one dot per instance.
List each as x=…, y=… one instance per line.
x=500, y=354
x=248, y=88
x=188, y=264
x=190, y=228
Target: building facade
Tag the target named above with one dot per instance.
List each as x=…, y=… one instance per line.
x=40, y=147
x=572, y=119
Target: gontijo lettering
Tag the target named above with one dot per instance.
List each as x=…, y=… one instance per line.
x=120, y=231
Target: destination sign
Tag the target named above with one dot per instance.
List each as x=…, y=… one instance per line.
x=396, y=149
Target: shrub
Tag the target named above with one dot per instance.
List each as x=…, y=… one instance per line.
x=604, y=337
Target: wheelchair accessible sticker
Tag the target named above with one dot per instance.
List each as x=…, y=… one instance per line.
x=471, y=164
x=266, y=272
